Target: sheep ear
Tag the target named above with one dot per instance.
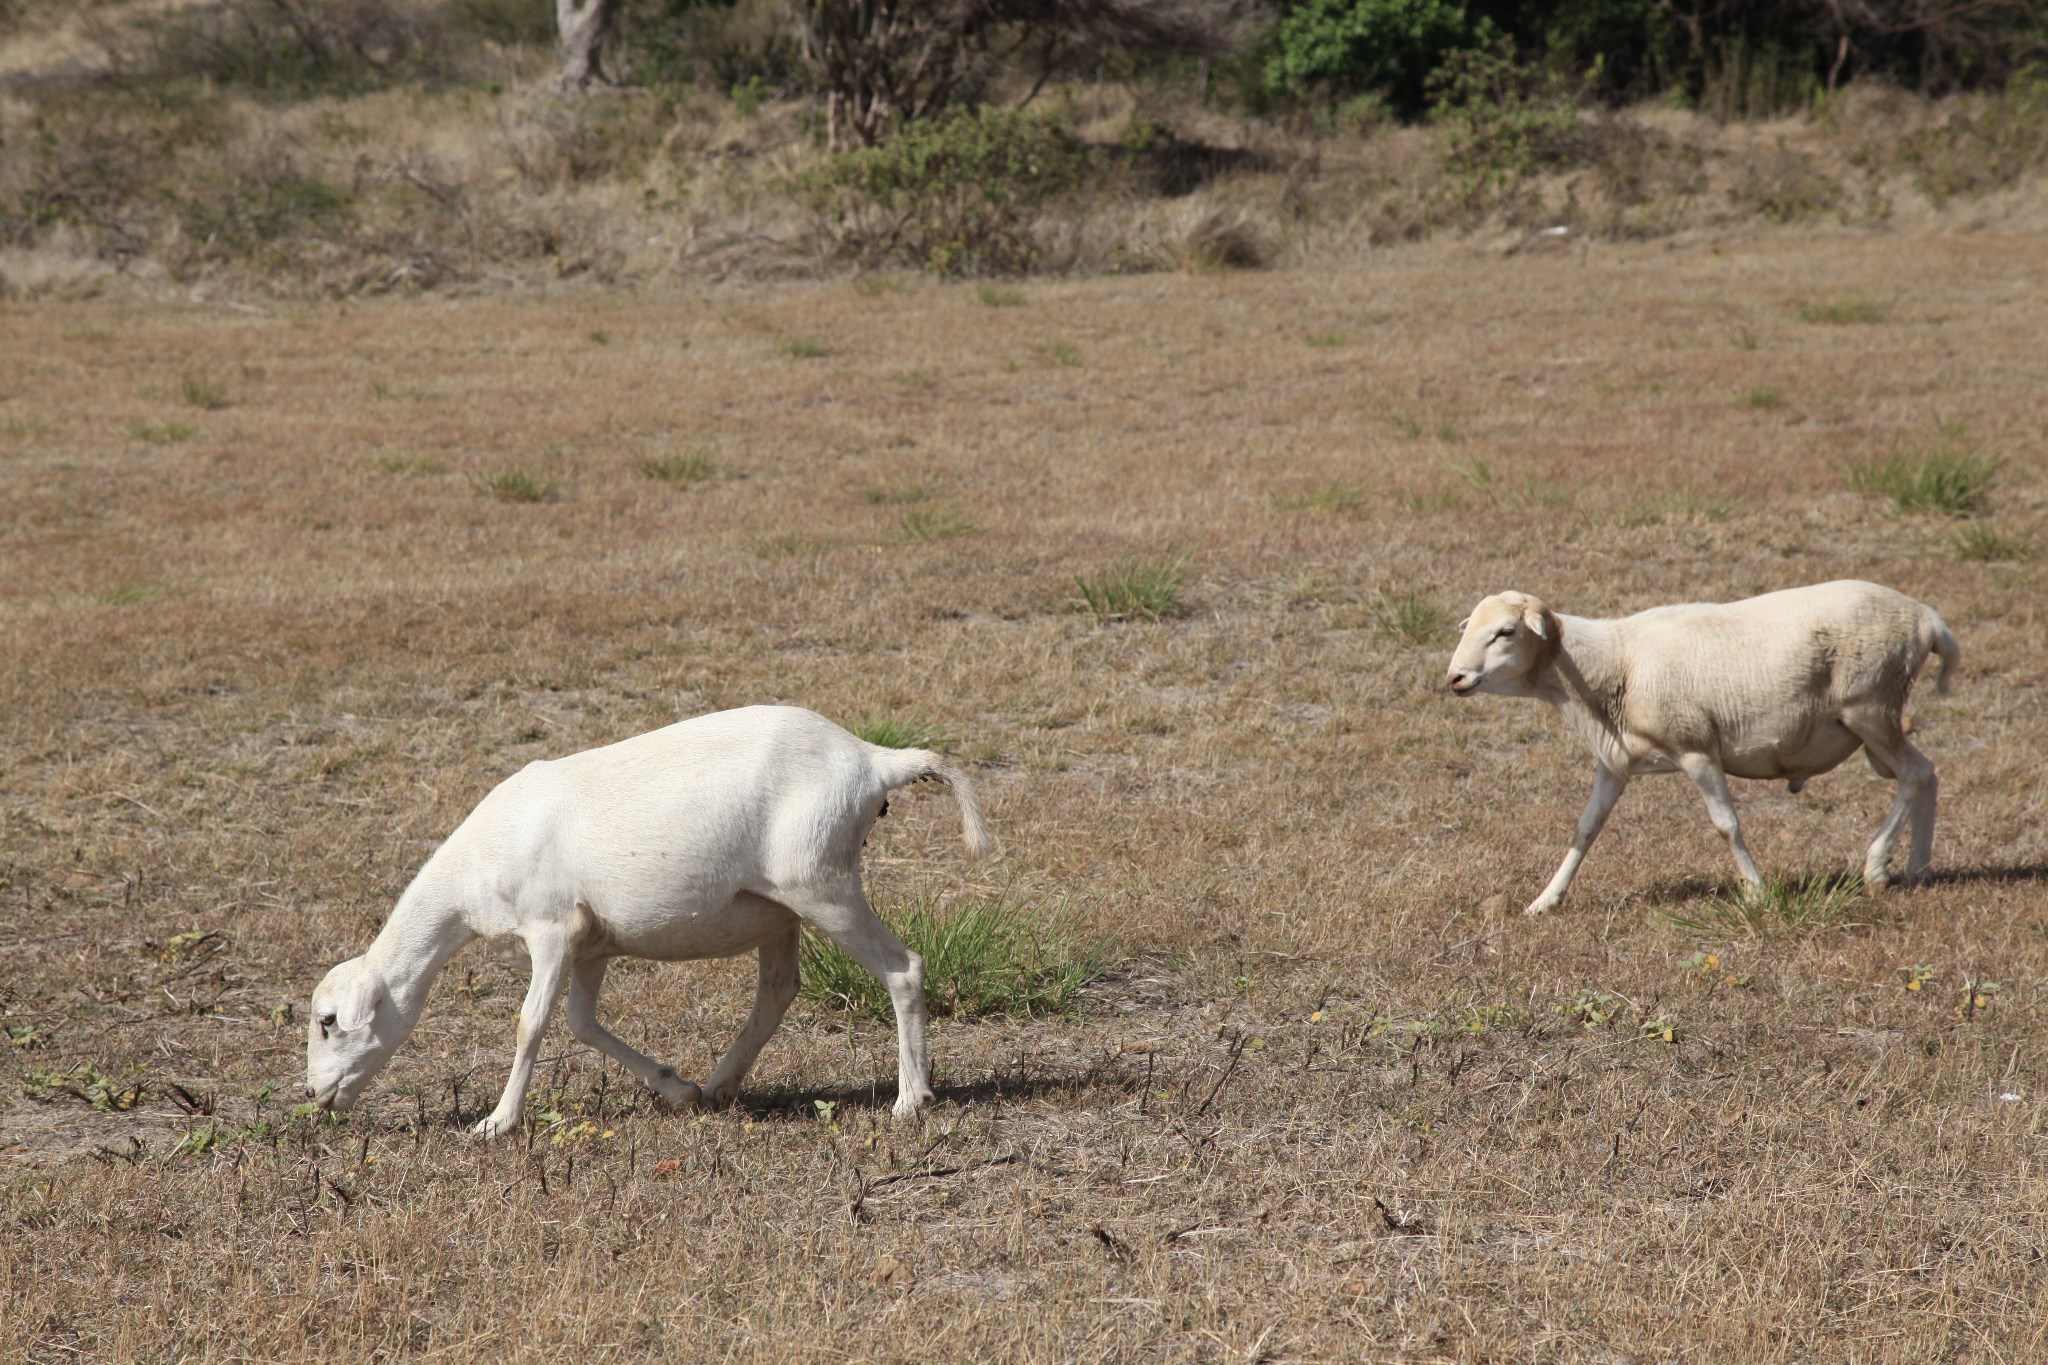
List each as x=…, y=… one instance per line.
x=1538, y=620
x=358, y=1003
x=1464, y=623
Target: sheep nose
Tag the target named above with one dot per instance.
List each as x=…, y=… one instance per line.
x=1459, y=679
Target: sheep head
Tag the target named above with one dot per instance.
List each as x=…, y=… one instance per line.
x=353, y=1029
x=1506, y=638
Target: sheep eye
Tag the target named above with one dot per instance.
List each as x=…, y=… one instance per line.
x=1504, y=632
x=326, y=1022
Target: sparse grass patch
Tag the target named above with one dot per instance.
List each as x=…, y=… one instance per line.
x=29, y=429
x=896, y=495
x=793, y=545
x=1326, y=340
x=1952, y=481
x=1000, y=296
x=1062, y=353
x=1982, y=543
x=682, y=467
x=1135, y=589
x=161, y=433
x=1683, y=509
x=1336, y=497
x=984, y=956
x=1764, y=398
x=802, y=348
x=400, y=463
x=203, y=391
x=130, y=595
x=1439, y=499
x=898, y=732
x=600, y=337
x=1415, y=426
x=1850, y=311
x=1792, y=903
x=1408, y=618
x=921, y=524
x=517, y=484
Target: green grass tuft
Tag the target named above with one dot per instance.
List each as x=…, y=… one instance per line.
x=1000, y=296
x=1062, y=353
x=1326, y=340
x=1763, y=398
x=1797, y=903
x=684, y=467
x=1408, y=618
x=898, y=495
x=1135, y=589
x=803, y=349
x=792, y=546
x=202, y=391
x=1950, y=481
x=1337, y=497
x=1982, y=543
x=163, y=434
x=131, y=595
x=517, y=484
x=921, y=524
x=983, y=956
x=410, y=464
x=898, y=732
x=1844, y=312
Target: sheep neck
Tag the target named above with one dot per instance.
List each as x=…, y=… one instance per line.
x=424, y=930
x=1584, y=679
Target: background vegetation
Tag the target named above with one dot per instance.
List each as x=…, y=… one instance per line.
x=350, y=146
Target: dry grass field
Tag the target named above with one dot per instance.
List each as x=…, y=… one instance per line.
x=284, y=592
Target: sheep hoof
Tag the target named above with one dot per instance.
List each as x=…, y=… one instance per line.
x=494, y=1126
x=1540, y=906
x=1877, y=880
x=908, y=1105
x=721, y=1095
x=676, y=1091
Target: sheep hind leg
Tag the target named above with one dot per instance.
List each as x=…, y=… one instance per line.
x=1885, y=742
x=581, y=1011
x=1706, y=774
x=549, y=954
x=841, y=914
x=772, y=997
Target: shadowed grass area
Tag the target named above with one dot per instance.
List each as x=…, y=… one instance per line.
x=983, y=956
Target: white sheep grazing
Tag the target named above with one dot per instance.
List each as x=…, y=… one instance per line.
x=1786, y=685
x=704, y=839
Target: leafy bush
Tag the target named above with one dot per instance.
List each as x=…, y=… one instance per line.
x=1503, y=121
x=1991, y=147
x=1342, y=47
x=982, y=956
x=957, y=194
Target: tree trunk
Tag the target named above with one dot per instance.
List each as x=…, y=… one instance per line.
x=582, y=26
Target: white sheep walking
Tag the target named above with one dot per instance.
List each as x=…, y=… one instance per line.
x=1786, y=685
x=708, y=838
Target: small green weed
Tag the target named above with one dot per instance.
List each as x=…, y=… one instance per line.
x=802, y=348
x=1477, y=471
x=684, y=467
x=1408, y=618
x=517, y=484
x=1135, y=589
x=1982, y=543
x=921, y=524
x=202, y=391
x=1336, y=497
x=1062, y=353
x=87, y=1083
x=1326, y=340
x=161, y=434
x=1844, y=312
x=1000, y=296
x=1764, y=398
x=600, y=337
x=917, y=379
x=1800, y=903
x=898, y=732
x=983, y=956
x=1591, y=1009
x=1953, y=481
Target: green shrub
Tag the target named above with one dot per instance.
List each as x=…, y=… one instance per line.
x=984, y=955
x=957, y=194
x=1502, y=121
x=1345, y=47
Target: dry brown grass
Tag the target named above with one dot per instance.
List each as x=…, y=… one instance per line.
x=1340, y=1102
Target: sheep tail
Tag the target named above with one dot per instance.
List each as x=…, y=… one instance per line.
x=1936, y=637
x=901, y=767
